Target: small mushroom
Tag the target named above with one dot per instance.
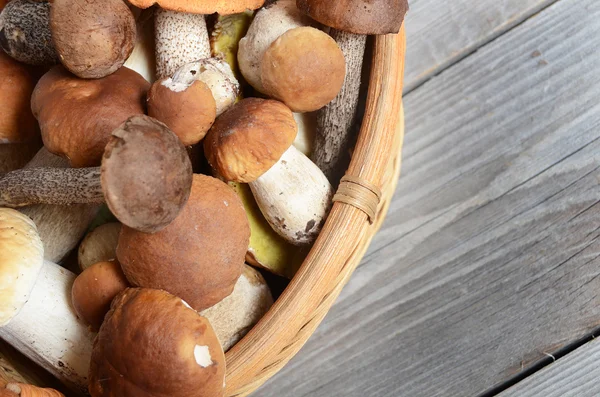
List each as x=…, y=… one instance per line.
x=25, y=32
x=36, y=316
x=234, y=316
x=141, y=155
x=100, y=245
x=93, y=38
x=351, y=21
x=152, y=344
x=94, y=290
x=199, y=256
x=269, y=23
x=66, y=105
x=19, y=132
x=23, y=390
x=189, y=110
x=252, y=143
x=304, y=68
x=181, y=32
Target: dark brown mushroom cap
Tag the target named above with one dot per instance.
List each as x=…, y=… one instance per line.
x=357, y=16
x=93, y=38
x=77, y=116
x=152, y=345
x=146, y=174
x=199, y=257
x=250, y=138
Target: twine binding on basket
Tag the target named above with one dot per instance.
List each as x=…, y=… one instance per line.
x=359, y=193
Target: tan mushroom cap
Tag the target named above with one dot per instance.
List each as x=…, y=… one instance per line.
x=151, y=344
x=17, y=123
x=21, y=260
x=199, y=256
x=248, y=139
x=222, y=7
x=304, y=68
x=77, y=116
x=146, y=174
x=188, y=110
x=94, y=290
x=357, y=16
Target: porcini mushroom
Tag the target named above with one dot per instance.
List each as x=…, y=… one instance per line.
x=234, y=316
x=145, y=178
x=100, y=245
x=94, y=290
x=35, y=312
x=351, y=21
x=199, y=256
x=19, y=132
x=93, y=38
x=181, y=33
x=25, y=32
x=22, y=390
x=152, y=344
x=252, y=143
x=66, y=106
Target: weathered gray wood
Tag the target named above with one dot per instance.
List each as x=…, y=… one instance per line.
x=442, y=32
x=575, y=375
x=490, y=257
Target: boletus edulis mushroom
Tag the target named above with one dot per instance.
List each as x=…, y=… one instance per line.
x=351, y=21
x=252, y=143
x=93, y=38
x=36, y=316
x=153, y=344
x=25, y=32
x=200, y=255
x=145, y=178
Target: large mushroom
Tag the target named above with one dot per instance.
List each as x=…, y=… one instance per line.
x=25, y=32
x=66, y=106
x=199, y=256
x=145, y=178
x=36, y=316
x=153, y=344
x=252, y=143
x=351, y=21
x=93, y=38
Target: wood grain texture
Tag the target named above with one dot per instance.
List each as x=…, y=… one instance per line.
x=575, y=375
x=490, y=257
x=441, y=33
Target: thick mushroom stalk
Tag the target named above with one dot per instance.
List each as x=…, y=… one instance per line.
x=351, y=21
x=36, y=316
x=142, y=154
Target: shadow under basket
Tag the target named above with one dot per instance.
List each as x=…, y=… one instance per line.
x=371, y=178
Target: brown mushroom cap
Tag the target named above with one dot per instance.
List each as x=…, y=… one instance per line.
x=199, y=256
x=248, y=139
x=304, y=68
x=150, y=345
x=94, y=290
x=188, y=110
x=146, y=174
x=93, y=38
x=357, y=16
x=17, y=123
x=77, y=116
x=223, y=7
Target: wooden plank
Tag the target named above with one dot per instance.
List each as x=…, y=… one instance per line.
x=575, y=375
x=490, y=257
x=442, y=32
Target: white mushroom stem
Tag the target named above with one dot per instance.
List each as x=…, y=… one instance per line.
x=142, y=59
x=294, y=196
x=181, y=38
x=337, y=121
x=47, y=331
x=60, y=227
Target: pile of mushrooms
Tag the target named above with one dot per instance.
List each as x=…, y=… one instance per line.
x=120, y=95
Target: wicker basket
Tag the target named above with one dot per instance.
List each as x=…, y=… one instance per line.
x=336, y=254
